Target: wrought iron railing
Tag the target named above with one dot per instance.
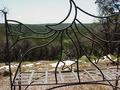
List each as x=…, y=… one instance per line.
x=16, y=34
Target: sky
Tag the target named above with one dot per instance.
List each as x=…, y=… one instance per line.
x=46, y=11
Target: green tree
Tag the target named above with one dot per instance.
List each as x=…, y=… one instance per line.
x=108, y=7
x=111, y=25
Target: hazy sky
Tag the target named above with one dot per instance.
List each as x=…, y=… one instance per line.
x=46, y=11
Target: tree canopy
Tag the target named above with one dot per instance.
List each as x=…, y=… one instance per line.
x=108, y=7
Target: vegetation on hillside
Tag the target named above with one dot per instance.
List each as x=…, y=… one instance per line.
x=52, y=51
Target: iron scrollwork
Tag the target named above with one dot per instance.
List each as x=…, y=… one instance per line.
x=16, y=33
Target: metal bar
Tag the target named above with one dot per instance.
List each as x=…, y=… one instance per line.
x=108, y=76
x=30, y=78
x=113, y=71
x=60, y=57
x=31, y=50
x=90, y=75
x=61, y=76
x=46, y=77
x=79, y=49
x=75, y=75
x=7, y=56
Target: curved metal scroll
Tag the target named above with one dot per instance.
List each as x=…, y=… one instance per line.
x=54, y=32
x=74, y=28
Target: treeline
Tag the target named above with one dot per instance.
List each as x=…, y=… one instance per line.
x=49, y=52
x=70, y=48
